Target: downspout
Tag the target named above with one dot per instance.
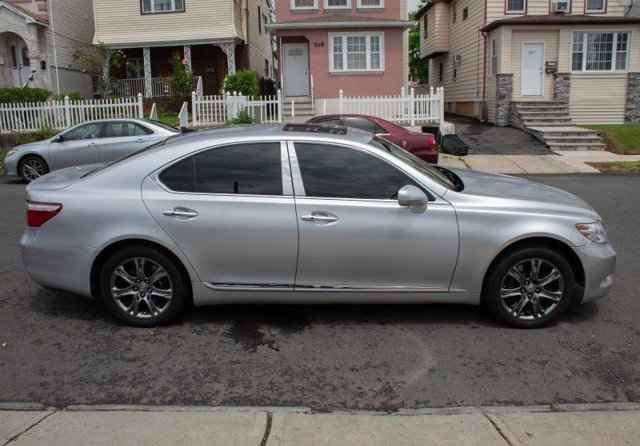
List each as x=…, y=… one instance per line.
x=55, y=50
x=485, y=38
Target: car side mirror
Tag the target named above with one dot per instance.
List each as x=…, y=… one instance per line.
x=412, y=197
x=59, y=139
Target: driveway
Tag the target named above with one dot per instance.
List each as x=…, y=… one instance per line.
x=486, y=139
x=61, y=349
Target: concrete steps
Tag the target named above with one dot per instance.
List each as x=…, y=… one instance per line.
x=301, y=106
x=551, y=123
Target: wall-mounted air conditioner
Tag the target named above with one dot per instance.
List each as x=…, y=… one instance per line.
x=560, y=6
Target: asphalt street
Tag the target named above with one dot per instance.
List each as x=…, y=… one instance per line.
x=60, y=349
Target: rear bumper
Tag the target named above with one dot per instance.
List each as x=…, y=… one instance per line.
x=599, y=262
x=58, y=267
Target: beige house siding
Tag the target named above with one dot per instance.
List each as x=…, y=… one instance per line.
x=598, y=99
x=438, y=25
x=119, y=22
x=518, y=39
x=73, y=23
x=496, y=8
x=259, y=39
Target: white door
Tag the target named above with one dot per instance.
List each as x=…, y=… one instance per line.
x=296, y=69
x=532, y=69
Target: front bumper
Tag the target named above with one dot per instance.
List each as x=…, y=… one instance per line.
x=11, y=166
x=599, y=263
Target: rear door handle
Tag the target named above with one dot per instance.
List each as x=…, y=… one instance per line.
x=316, y=217
x=181, y=212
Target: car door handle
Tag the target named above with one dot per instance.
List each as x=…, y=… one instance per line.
x=320, y=218
x=181, y=212
x=140, y=140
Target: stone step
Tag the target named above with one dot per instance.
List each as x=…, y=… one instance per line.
x=563, y=132
x=574, y=139
x=542, y=114
x=548, y=123
x=579, y=146
x=538, y=103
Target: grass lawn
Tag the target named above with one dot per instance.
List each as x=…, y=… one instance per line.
x=169, y=119
x=622, y=138
x=618, y=166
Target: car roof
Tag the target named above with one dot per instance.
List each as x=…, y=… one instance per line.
x=267, y=131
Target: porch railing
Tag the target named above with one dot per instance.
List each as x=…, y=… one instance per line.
x=160, y=87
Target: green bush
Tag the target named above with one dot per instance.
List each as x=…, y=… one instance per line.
x=27, y=94
x=73, y=96
x=244, y=82
x=242, y=118
x=181, y=81
x=44, y=133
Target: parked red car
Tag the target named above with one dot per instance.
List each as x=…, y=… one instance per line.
x=423, y=145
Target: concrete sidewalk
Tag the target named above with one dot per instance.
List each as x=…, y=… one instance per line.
x=564, y=425
x=557, y=163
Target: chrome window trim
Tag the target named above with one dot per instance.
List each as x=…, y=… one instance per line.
x=287, y=181
x=299, y=182
x=320, y=288
x=155, y=176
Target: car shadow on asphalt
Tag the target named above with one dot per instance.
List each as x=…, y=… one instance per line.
x=247, y=319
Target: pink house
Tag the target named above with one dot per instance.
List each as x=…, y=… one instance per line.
x=359, y=46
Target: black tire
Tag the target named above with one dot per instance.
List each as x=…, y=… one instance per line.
x=174, y=281
x=520, y=263
x=32, y=161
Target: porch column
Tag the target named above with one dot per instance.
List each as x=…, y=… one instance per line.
x=187, y=57
x=230, y=50
x=148, y=90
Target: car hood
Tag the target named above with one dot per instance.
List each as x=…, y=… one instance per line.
x=63, y=178
x=506, y=187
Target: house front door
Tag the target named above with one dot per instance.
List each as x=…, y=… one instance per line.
x=296, y=69
x=532, y=69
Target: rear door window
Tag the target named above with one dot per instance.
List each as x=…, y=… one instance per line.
x=363, y=124
x=244, y=169
x=123, y=129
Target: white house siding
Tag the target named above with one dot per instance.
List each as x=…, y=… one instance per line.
x=119, y=22
x=496, y=8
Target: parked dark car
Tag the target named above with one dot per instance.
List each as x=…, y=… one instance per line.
x=422, y=145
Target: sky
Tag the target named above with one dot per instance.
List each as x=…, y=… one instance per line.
x=413, y=4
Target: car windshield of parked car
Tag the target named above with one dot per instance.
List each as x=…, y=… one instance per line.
x=427, y=169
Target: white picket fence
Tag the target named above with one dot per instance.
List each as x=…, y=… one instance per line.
x=31, y=117
x=217, y=110
x=411, y=109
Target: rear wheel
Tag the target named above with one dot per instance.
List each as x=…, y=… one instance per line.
x=530, y=288
x=143, y=287
x=32, y=167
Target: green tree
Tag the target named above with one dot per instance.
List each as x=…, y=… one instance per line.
x=92, y=59
x=418, y=68
x=244, y=82
x=181, y=81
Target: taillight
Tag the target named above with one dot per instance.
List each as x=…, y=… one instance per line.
x=40, y=213
x=431, y=141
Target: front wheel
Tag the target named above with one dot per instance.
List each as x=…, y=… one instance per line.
x=530, y=288
x=143, y=287
x=32, y=167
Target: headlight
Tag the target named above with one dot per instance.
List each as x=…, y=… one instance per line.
x=593, y=231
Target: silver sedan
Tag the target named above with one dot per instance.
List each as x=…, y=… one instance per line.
x=307, y=214
x=87, y=143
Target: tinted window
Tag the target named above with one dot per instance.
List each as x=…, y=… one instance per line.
x=120, y=129
x=329, y=122
x=363, y=124
x=88, y=131
x=341, y=172
x=249, y=169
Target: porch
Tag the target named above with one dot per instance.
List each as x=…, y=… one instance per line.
x=147, y=70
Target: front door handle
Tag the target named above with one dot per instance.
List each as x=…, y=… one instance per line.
x=316, y=217
x=181, y=212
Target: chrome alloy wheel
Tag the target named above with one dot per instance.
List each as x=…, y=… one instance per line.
x=532, y=289
x=141, y=287
x=32, y=169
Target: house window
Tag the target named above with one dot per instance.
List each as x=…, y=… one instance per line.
x=267, y=71
x=371, y=4
x=356, y=52
x=425, y=23
x=26, y=61
x=304, y=4
x=598, y=51
x=465, y=13
x=440, y=73
x=134, y=68
x=161, y=6
x=515, y=6
x=259, y=20
x=596, y=6
x=337, y=4
x=494, y=56
x=14, y=57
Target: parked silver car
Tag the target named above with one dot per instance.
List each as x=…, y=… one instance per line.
x=87, y=143
x=309, y=214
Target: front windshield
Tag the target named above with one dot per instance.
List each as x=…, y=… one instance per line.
x=429, y=170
